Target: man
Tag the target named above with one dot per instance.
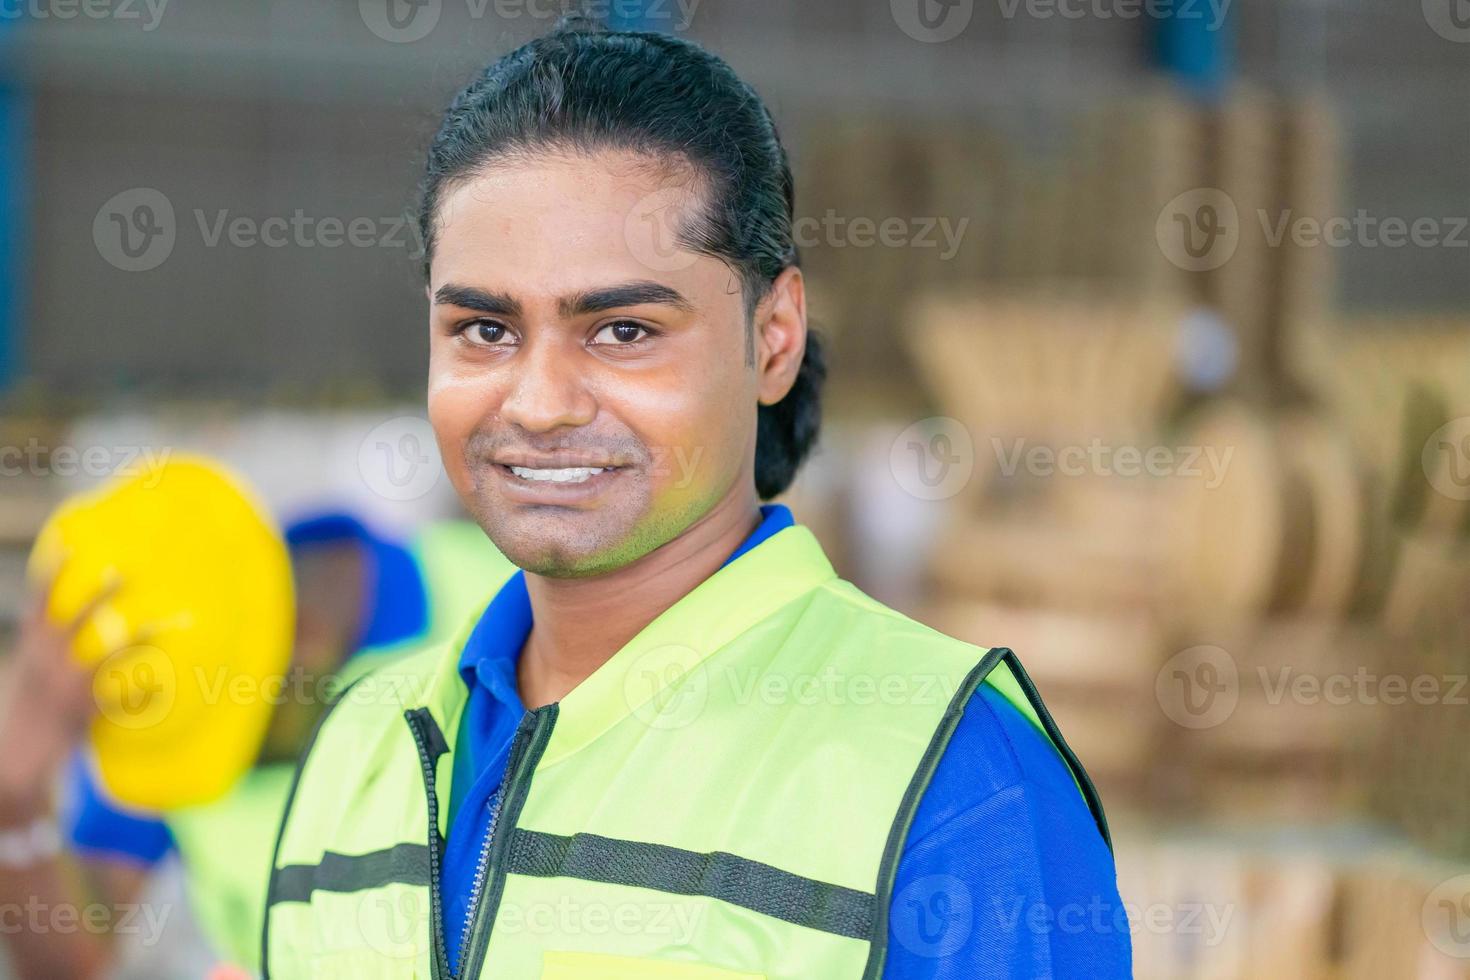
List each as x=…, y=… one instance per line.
x=675, y=744
x=357, y=590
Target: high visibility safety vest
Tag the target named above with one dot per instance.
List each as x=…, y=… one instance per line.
x=225, y=846
x=726, y=798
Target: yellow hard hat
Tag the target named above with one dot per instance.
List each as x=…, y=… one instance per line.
x=187, y=646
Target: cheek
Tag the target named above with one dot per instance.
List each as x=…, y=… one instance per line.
x=457, y=406
x=693, y=429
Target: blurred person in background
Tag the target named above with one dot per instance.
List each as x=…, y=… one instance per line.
x=620, y=373
x=362, y=599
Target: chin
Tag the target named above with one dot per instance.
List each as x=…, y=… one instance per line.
x=557, y=542
x=582, y=542
x=563, y=566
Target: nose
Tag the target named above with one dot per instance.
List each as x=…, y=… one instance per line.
x=547, y=389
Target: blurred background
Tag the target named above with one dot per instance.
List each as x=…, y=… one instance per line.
x=1150, y=339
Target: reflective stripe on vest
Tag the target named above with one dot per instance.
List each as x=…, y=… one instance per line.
x=727, y=796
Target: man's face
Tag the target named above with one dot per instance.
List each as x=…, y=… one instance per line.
x=588, y=383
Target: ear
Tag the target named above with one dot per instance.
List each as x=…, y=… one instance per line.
x=780, y=336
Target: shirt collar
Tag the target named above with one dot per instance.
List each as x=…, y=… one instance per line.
x=494, y=645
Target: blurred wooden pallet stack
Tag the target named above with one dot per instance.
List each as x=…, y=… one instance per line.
x=1323, y=566
x=1253, y=531
x=1043, y=552
x=1342, y=905
x=1397, y=383
x=1081, y=209
x=1047, y=197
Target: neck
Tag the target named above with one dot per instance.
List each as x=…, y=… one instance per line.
x=580, y=623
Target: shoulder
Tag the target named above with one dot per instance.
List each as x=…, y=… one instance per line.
x=851, y=614
x=997, y=748
x=1003, y=861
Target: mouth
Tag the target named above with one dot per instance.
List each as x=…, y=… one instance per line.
x=554, y=484
x=569, y=474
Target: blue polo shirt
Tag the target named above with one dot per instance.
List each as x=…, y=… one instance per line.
x=1003, y=872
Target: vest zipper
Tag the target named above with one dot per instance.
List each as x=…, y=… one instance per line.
x=525, y=753
x=477, y=884
x=429, y=741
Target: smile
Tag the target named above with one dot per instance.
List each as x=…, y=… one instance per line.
x=573, y=474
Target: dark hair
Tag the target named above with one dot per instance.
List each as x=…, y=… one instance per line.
x=584, y=88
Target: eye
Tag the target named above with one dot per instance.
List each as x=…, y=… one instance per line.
x=621, y=333
x=485, y=333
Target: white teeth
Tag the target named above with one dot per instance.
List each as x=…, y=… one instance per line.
x=575, y=474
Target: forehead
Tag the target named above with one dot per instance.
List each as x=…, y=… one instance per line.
x=553, y=223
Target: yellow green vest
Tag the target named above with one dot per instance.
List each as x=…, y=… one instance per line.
x=727, y=797
x=225, y=846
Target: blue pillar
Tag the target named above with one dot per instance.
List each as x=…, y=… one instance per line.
x=1195, y=48
x=633, y=15
x=14, y=152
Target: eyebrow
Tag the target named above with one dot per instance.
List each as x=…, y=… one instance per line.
x=479, y=300
x=635, y=293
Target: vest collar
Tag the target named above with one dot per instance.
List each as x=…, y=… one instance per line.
x=746, y=590
x=749, y=589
